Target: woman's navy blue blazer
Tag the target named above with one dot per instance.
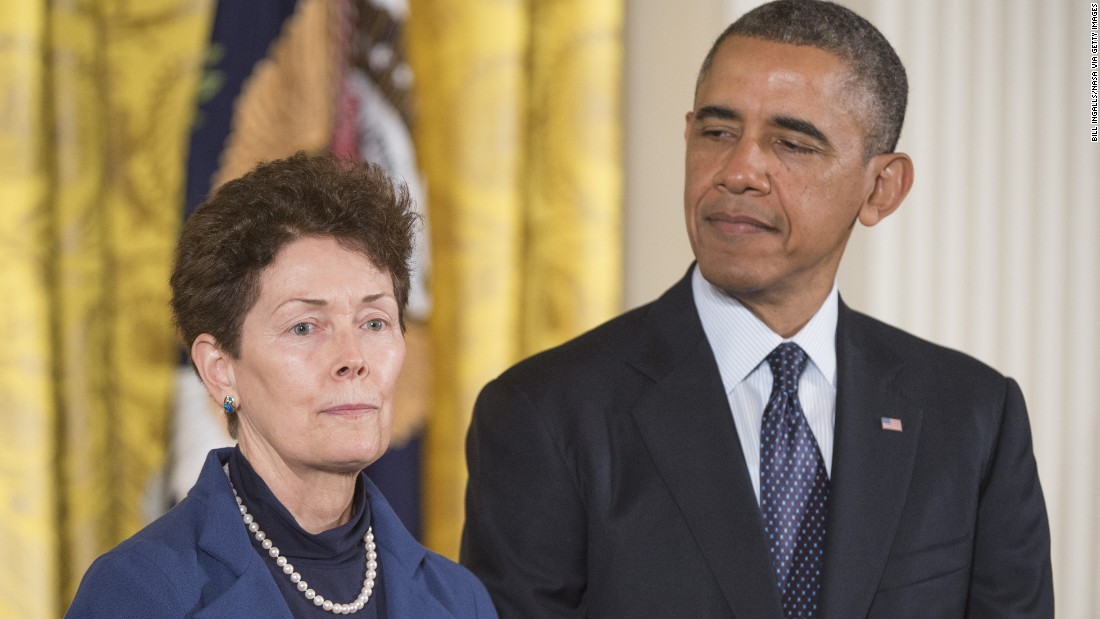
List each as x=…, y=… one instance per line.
x=197, y=561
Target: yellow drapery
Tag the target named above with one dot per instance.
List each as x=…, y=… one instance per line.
x=94, y=117
x=518, y=135
x=519, y=140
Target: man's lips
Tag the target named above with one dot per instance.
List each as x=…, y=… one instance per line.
x=738, y=224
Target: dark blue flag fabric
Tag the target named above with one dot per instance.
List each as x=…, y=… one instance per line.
x=242, y=33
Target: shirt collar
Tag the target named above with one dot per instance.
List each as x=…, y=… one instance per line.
x=741, y=341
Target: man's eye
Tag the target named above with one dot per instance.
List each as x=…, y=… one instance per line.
x=795, y=148
x=302, y=328
x=376, y=324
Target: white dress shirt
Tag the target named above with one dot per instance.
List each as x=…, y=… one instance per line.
x=741, y=344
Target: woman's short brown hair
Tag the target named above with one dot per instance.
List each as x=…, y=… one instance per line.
x=232, y=237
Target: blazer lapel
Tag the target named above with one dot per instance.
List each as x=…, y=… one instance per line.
x=402, y=559
x=688, y=429
x=223, y=538
x=872, y=468
x=252, y=594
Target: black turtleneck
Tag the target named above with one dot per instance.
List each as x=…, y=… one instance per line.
x=332, y=562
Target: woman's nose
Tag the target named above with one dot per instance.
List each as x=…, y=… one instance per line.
x=350, y=360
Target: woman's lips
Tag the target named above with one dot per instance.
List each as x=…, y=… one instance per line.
x=351, y=410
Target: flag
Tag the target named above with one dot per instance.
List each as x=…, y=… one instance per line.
x=374, y=124
x=310, y=75
x=241, y=38
x=889, y=423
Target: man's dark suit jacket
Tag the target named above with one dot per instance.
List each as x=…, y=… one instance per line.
x=607, y=480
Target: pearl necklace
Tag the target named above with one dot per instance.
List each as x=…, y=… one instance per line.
x=296, y=578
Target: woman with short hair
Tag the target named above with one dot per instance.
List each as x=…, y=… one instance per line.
x=289, y=288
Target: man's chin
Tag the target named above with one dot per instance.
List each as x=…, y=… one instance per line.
x=736, y=282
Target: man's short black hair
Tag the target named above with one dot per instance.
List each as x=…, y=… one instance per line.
x=875, y=65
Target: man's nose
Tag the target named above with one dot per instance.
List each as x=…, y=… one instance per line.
x=744, y=169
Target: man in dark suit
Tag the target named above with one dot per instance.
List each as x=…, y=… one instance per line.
x=747, y=445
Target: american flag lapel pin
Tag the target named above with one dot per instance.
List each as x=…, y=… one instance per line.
x=891, y=424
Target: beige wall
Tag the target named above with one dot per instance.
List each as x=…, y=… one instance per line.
x=665, y=41
x=995, y=250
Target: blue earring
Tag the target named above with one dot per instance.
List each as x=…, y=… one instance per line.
x=227, y=404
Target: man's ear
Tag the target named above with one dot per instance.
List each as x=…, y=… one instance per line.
x=690, y=116
x=893, y=179
x=215, y=367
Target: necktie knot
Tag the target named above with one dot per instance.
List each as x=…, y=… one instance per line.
x=787, y=362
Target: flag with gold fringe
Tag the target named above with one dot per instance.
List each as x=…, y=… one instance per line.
x=312, y=75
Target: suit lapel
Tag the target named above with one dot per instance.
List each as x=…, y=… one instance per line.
x=872, y=468
x=685, y=422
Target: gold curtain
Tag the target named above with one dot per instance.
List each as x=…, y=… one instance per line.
x=94, y=117
x=518, y=134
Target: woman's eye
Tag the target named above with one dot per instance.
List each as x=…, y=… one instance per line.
x=376, y=324
x=302, y=328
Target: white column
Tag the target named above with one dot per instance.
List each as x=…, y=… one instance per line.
x=995, y=250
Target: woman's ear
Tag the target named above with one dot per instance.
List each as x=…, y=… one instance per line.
x=215, y=367
x=893, y=179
